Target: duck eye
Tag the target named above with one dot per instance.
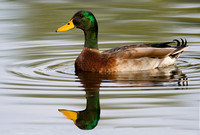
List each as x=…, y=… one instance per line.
x=81, y=16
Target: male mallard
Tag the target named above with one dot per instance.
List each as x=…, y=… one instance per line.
x=125, y=58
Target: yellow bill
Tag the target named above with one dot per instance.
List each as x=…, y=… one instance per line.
x=68, y=26
x=70, y=114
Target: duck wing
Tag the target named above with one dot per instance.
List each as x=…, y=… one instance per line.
x=154, y=50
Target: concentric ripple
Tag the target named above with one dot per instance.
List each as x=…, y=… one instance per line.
x=46, y=70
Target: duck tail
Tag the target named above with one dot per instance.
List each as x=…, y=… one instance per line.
x=180, y=47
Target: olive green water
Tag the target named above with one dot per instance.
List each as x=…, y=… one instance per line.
x=37, y=74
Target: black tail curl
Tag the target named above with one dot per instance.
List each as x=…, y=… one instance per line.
x=182, y=43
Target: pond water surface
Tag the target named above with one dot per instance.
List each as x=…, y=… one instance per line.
x=37, y=76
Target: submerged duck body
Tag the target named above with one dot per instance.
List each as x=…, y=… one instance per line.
x=125, y=58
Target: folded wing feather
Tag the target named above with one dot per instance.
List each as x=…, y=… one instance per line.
x=151, y=52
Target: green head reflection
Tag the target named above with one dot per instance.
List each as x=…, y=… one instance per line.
x=88, y=118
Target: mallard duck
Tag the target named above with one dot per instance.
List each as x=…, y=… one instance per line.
x=125, y=58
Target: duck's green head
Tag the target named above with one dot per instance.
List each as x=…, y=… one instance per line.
x=84, y=20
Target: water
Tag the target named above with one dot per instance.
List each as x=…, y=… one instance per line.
x=38, y=77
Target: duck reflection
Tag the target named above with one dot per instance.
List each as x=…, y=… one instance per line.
x=88, y=118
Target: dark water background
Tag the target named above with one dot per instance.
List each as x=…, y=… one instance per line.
x=37, y=68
